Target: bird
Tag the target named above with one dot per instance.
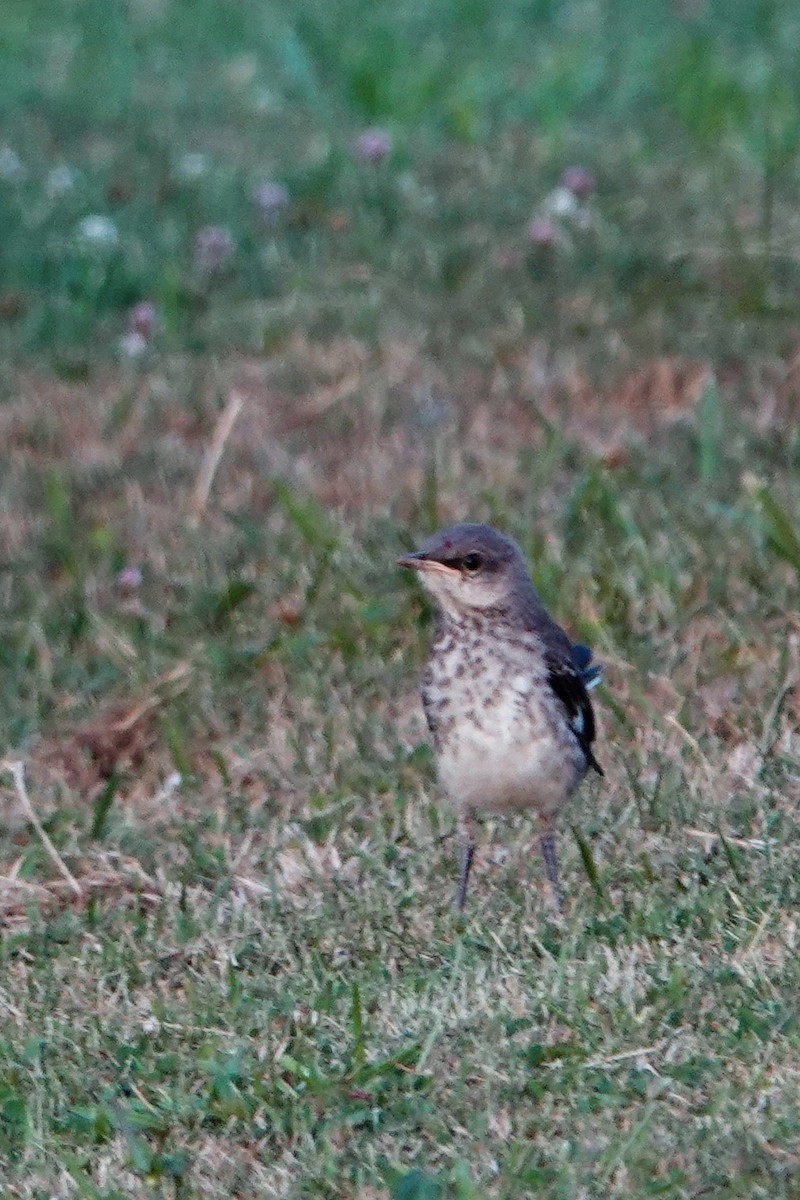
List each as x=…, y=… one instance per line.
x=505, y=691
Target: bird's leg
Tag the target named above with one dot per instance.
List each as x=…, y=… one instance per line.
x=547, y=845
x=466, y=839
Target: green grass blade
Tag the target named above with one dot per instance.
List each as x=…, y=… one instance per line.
x=780, y=529
x=102, y=807
x=356, y=1020
x=589, y=864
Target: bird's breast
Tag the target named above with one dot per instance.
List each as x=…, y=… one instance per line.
x=502, y=741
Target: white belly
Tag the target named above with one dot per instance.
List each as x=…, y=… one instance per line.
x=487, y=771
x=503, y=746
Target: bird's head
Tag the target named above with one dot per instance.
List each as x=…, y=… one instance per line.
x=470, y=568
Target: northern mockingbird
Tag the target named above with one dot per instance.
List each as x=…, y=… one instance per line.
x=505, y=691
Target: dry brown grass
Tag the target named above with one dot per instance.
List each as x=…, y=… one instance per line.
x=273, y=838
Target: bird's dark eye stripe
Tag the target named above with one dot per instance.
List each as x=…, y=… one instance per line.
x=467, y=562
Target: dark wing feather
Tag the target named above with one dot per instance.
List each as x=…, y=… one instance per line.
x=582, y=658
x=568, y=685
x=569, y=674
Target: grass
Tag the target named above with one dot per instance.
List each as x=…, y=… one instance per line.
x=230, y=961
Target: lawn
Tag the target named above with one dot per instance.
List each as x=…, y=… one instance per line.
x=283, y=288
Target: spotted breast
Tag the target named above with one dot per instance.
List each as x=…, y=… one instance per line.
x=502, y=746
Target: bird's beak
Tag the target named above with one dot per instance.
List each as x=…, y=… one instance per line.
x=418, y=562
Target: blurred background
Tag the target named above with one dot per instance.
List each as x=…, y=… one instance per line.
x=284, y=286
x=465, y=179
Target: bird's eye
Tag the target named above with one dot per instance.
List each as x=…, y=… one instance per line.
x=472, y=562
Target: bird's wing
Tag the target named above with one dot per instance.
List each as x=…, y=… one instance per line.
x=590, y=672
x=567, y=671
x=569, y=674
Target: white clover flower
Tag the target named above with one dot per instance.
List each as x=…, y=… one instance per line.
x=60, y=181
x=11, y=166
x=132, y=345
x=98, y=230
x=191, y=166
x=562, y=203
x=266, y=101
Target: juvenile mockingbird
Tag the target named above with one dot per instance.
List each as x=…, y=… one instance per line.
x=505, y=691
